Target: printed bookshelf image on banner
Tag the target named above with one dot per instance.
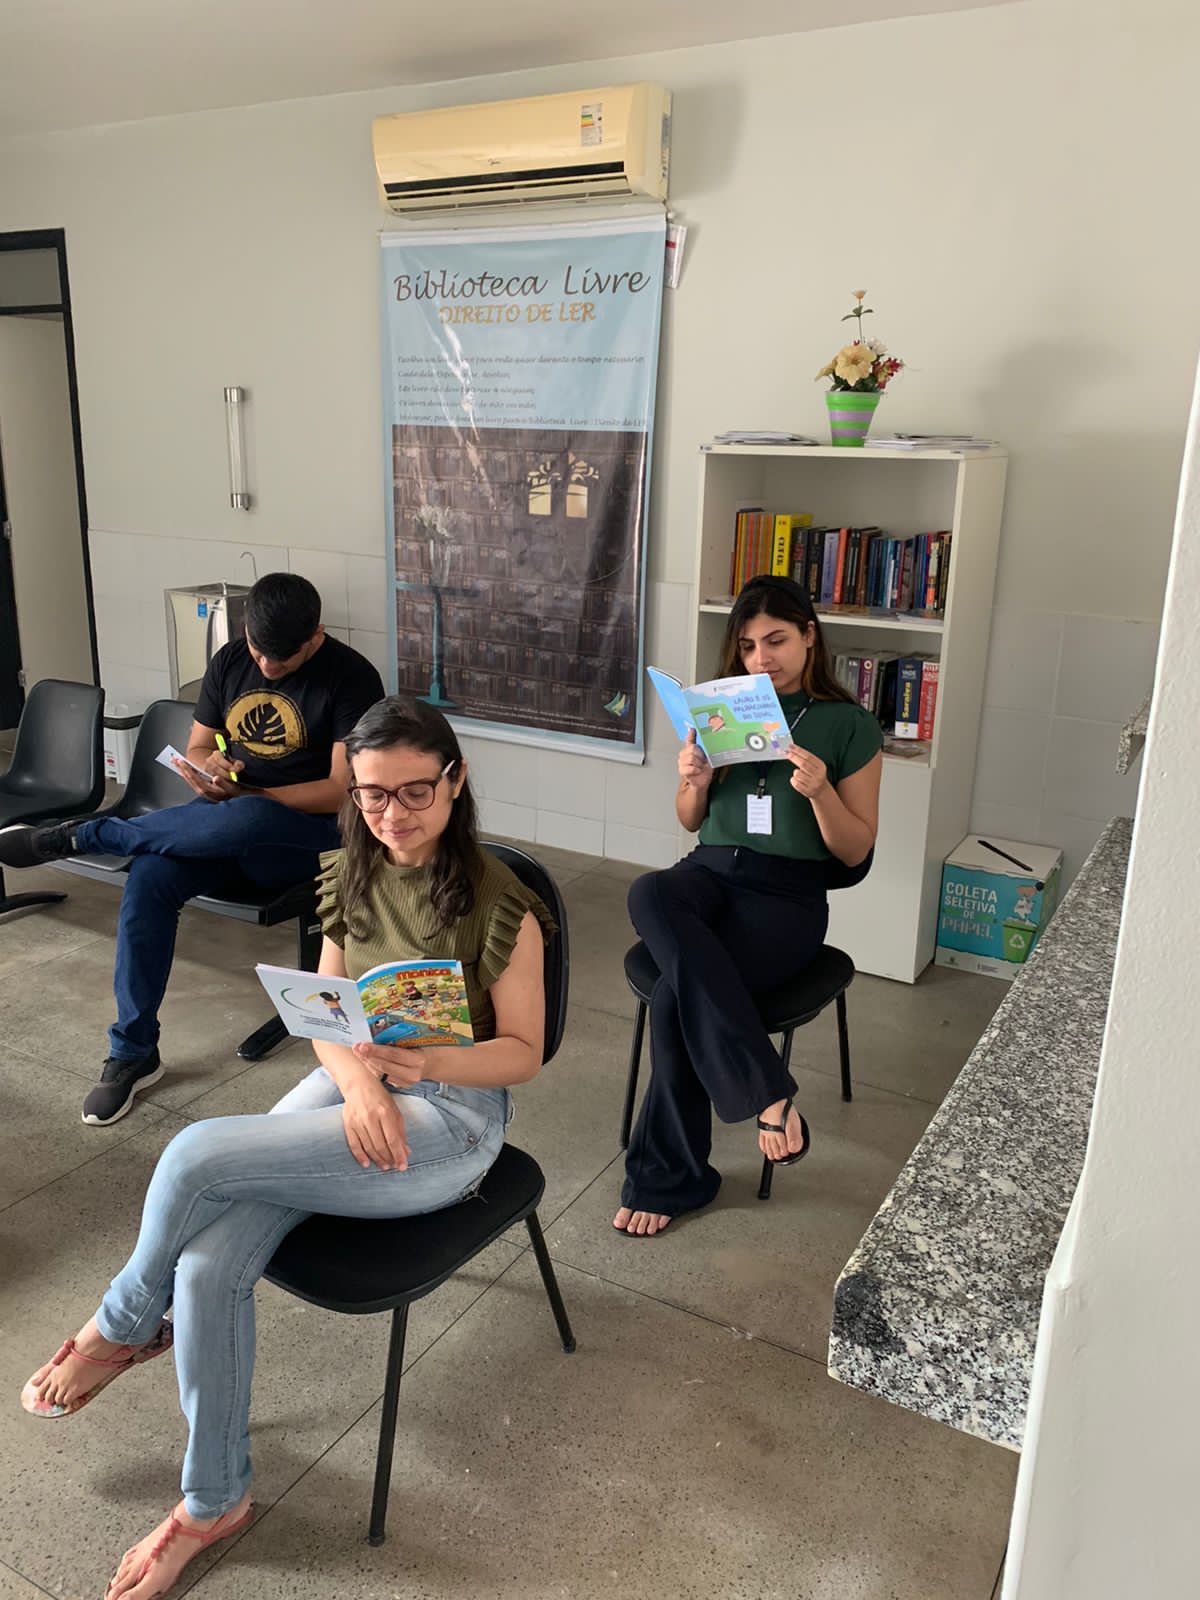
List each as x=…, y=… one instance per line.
x=520, y=377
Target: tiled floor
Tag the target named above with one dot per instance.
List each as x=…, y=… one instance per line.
x=694, y=1444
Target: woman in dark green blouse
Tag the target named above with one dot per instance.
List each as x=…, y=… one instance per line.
x=746, y=909
x=375, y=1131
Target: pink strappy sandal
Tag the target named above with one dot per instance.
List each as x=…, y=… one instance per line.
x=112, y=1367
x=174, y=1529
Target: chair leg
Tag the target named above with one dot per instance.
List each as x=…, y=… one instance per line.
x=635, y=1061
x=263, y=1040
x=387, y=1425
x=768, y=1167
x=844, y=1046
x=16, y=902
x=308, y=942
x=546, y=1268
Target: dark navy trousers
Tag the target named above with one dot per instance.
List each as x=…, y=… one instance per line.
x=204, y=847
x=722, y=925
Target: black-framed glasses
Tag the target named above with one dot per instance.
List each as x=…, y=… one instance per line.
x=415, y=796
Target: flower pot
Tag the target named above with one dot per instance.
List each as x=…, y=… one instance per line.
x=850, y=416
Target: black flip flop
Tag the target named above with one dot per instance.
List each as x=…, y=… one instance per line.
x=781, y=1127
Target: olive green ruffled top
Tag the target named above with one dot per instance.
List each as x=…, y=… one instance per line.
x=404, y=927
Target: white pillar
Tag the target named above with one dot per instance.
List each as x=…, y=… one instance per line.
x=1107, y=1495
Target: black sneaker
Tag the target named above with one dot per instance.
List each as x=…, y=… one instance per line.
x=23, y=846
x=119, y=1082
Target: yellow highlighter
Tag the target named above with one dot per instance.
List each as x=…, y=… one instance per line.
x=224, y=749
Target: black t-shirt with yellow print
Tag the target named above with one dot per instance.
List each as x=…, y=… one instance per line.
x=285, y=730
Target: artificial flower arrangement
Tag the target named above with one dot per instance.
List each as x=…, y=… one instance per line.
x=863, y=367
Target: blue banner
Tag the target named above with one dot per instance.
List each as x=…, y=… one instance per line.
x=520, y=368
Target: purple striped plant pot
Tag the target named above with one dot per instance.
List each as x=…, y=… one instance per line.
x=850, y=416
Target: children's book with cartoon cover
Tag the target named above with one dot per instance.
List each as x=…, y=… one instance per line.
x=406, y=1003
x=736, y=719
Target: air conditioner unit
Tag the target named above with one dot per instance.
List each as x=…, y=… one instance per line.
x=595, y=144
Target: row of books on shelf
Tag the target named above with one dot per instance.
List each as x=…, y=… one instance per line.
x=862, y=567
x=900, y=690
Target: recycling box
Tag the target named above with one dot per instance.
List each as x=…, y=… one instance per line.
x=997, y=896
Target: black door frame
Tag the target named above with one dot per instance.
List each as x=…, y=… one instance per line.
x=56, y=239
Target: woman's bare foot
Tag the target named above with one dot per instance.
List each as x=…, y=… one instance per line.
x=775, y=1146
x=645, y=1222
x=155, y=1563
x=61, y=1385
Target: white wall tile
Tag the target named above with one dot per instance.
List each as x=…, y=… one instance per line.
x=118, y=563
x=1107, y=667
x=366, y=578
x=509, y=821
x=1023, y=657
x=1007, y=822
x=570, y=783
x=505, y=772
x=1010, y=768
x=646, y=846
x=585, y=834
x=1073, y=835
x=643, y=797
x=668, y=627
x=375, y=647
x=340, y=633
x=326, y=571
x=1081, y=775
x=155, y=650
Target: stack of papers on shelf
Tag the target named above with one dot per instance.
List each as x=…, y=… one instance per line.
x=761, y=436
x=930, y=441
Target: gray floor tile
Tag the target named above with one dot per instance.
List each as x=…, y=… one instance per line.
x=600, y=934
x=42, y=1132
x=14, y=1587
x=766, y=1267
x=117, y=1464
x=43, y=933
x=913, y=1039
x=665, y=1458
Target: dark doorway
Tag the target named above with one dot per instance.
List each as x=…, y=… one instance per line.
x=12, y=694
x=35, y=263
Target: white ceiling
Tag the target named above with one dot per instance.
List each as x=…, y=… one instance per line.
x=74, y=63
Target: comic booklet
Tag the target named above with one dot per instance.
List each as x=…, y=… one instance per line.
x=736, y=719
x=416, y=1003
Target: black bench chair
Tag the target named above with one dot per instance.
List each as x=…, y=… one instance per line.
x=359, y=1267
x=57, y=767
x=153, y=787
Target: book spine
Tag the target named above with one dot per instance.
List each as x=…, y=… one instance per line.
x=840, y=564
x=814, y=545
x=885, y=698
x=908, y=697
x=944, y=571
x=929, y=685
x=866, y=673
x=864, y=559
x=828, y=563
x=904, y=598
x=781, y=548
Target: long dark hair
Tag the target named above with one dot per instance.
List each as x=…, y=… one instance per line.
x=403, y=720
x=787, y=602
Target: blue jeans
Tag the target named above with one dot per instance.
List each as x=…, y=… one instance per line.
x=224, y=1193
x=199, y=848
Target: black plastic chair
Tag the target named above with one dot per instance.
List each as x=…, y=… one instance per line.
x=784, y=1009
x=153, y=787
x=359, y=1267
x=57, y=767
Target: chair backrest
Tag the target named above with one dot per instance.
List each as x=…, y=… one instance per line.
x=557, y=965
x=153, y=787
x=59, y=750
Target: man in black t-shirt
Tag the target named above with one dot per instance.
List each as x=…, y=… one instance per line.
x=269, y=735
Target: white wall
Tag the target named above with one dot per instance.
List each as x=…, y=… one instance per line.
x=1106, y=1497
x=1008, y=183
x=38, y=451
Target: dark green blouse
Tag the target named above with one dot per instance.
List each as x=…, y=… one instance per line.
x=845, y=737
x=404, y=927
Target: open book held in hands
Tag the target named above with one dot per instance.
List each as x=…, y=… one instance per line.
x=736, y=719
x=405, y=1003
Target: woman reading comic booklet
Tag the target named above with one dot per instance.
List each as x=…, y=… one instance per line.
x=746, y=909
x=374, y=1131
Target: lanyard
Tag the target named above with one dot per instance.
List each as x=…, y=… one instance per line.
x=764, y=767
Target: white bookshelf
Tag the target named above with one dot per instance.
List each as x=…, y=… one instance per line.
x=888, y=923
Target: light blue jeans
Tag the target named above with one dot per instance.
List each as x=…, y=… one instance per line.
x=223, y=1195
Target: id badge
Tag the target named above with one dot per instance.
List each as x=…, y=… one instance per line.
x=758, y=813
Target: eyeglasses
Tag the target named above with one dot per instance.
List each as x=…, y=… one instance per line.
x=417, y=796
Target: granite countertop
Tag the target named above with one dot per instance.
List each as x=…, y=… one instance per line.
x=938, y=1307
x=1133, y=737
